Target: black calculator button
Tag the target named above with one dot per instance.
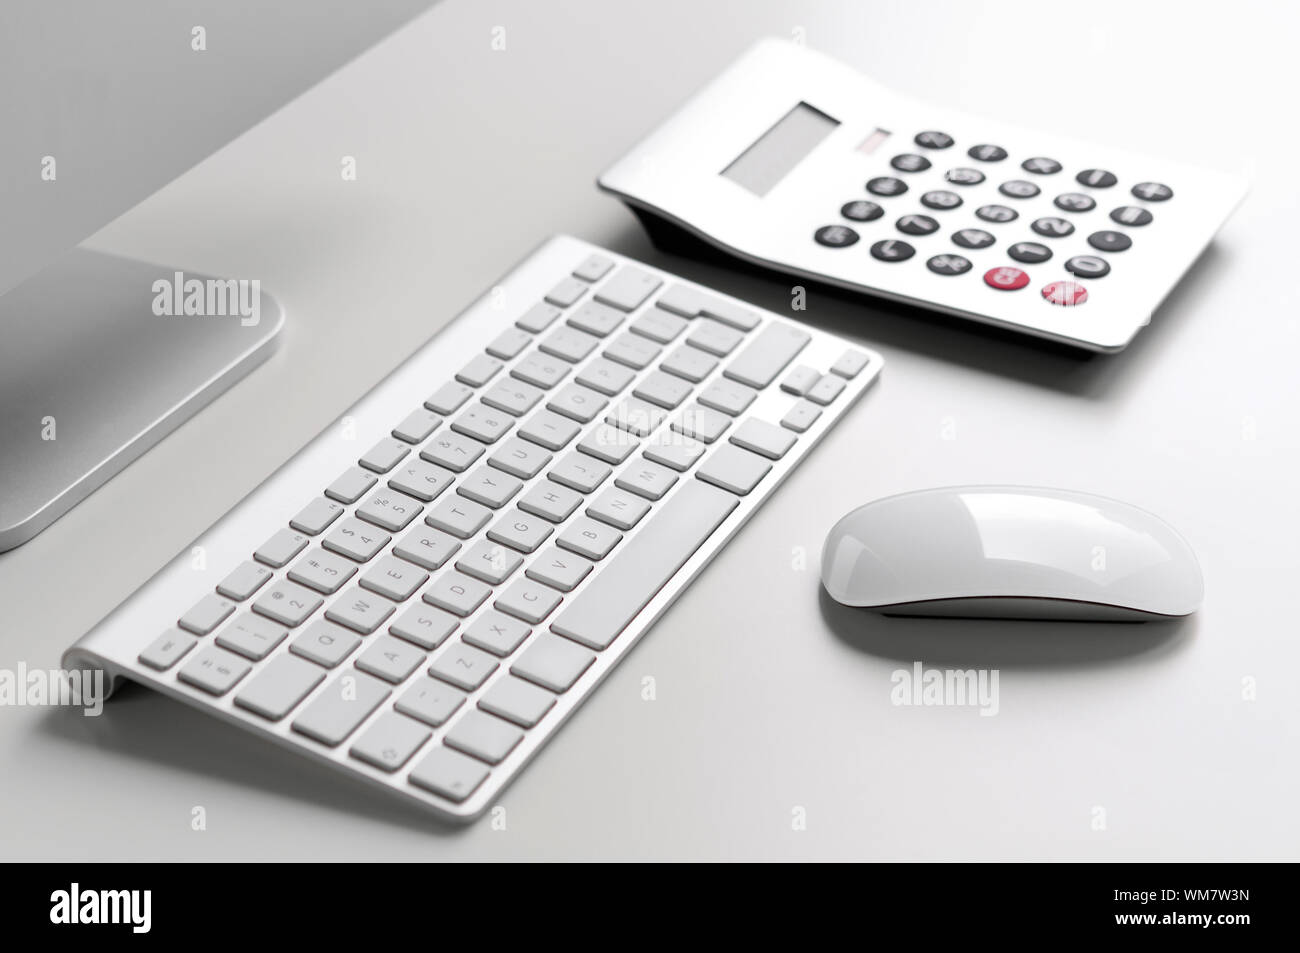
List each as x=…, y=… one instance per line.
x=862, y=211
x=1041, y=165
x=886, y=185
x=910, y=162
x=1006, y=278
x=1131, y=215
x=1088, y=266
x=941, y=199
x=1019, y=189
x=917, y=225
x=892, y=250
x=964, y=176
x=835, y=236
x=987, y=153
x=948, y=265
x=1052, y=227
x=973, y=238
x=1153, y=191
x=1075, y=202
x=1096, y=178
x=997, y=213
x=1067, y=294
x=1031, y=253
x=933, y=140
x=1109, y=241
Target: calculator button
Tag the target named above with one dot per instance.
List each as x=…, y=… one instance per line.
x=1153, y=191
x=1019, y=189
x=862, y=211
x=1031, y=253
x=917, y=225
x=1096, y=178
x=973, y=238
x=964, y=176
x=1131, y=215
x=886, y=185
x=987, y=153
x=948, y=265
x=892, y=250
x=941, y=199
x=933, y=140
x=1065, y=293
x=996, y=213
x=1053, y=227
x=1075, y=202
x=1109, y=241
x=1040, y=165
x=1006, y=278
x=835, y=236
x=1088, y=266
x=910, y=162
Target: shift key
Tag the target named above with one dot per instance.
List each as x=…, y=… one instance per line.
x=767, y=355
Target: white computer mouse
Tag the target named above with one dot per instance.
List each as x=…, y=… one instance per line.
x=1010, y=552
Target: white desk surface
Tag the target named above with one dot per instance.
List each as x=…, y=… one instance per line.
x=468, y=158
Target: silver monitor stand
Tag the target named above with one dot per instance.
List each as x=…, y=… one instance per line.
x=91, y=377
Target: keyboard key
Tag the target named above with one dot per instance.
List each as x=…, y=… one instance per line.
x=538, y=318
x=356, y=540
x=577, y=403
x=763, y=438
x=566, y=292
x=767, y=355
x=278, y=688
x=618, y=508
x=729, y=397
x=612, y=599
x=701, y=423
x=385, y=455
x=449, y=774
x=675, y=451
x=528, y=600
x=520, y=458
x=549, y=430
x=208, y=613
x=569, y=344
x=324, y=643
x=457, y=593
x=280, y=548
x=634, y=351
x=426, y=547
x=453, y=451
x=588, y=538
x=459, y=516
x=662, y=389
x=826, y=389
x=636, y=417
x=360, y=610
x=390, y=741
x=553, y=662
x=540, y=370
x=628, y=289
x=609, y=444
x=424, y=626
x=596, y=318
x=168, y=649
x=692, y=303
x=556, y=568
x=390, y=509
x=658, y=325
x=800, y=380
x=431, y=701
x=448, y=398
x=351, y=485
x=690, y=363
x=287, y=603
x=521, y=531
x=343, y=705
x=483, y=423
x=734, y=469
x=716, y=338
x=801, y=416
x=490, y=562
x=605, y=376
x=465, y=667
x=390, y=659
x=497, y=633
x=394, y=578
x=243, y=581
x=516, y=700
x=322, y=571
x=421, y=479
x=489, y=486
x=509, y=344
x=512, y=396
x=316, y=516
x=646, y=479
x=579, y=472
x=484, y=736
x=416, y=427
x=214, y=671
x=550, y=501
x=481, y=369
x=850, y=364
x=251, y=637
x=593, y=268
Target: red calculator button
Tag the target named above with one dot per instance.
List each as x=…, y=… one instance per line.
x=1065, y=293
x=1006, y=279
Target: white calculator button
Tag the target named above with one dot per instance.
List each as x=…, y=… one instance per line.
x=917, y=225
x=1075, y=202
x=996, y=213
x=862, y=211
x=892, y=250
x=933, y=140
x=941, y=199
x=987, y=153
x=1088, y=266
x=1006, y=278
x=910, y=162
x=886, y=185
x=1096, y=178
x=1131, y=215
x=1108, y=240
x=1153, y=191
x=1019, y=189
x=835, y=236
x=1041, y=165
x=964, y=176
x=1052, y=227
x=973, y=238
x=1067, y=294
x=1031, y=253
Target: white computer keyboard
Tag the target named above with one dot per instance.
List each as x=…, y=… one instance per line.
x=424, y=593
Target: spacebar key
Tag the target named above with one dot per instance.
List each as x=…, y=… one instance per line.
x=651, y=558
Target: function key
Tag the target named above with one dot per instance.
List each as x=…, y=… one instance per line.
x=964, y=176
x=933, y=140
x=1109, y=241
x=1153, y=191
x=886, y=185
x=835, y=236
x=997, y=213
x=917, y=225
x=1040, y=165
x=1006, y=278
x=948, y=265
x=941, y=199
x=1053, y=227
x=1096, y=178
x=1075, y=202
x=862, y=211
x=973, y=238
x=1031, y=253
x=1131, y=215
x=987, y=153
x=1088, y=266
x=1019, y=189
x=910, y=162
x=892, y=250
x=1065, y=293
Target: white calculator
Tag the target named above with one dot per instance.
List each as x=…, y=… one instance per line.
x=794, y=162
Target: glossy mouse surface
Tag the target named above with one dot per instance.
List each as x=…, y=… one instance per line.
x=1010, y=552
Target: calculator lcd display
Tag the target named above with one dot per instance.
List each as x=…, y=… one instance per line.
x=771, y=157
